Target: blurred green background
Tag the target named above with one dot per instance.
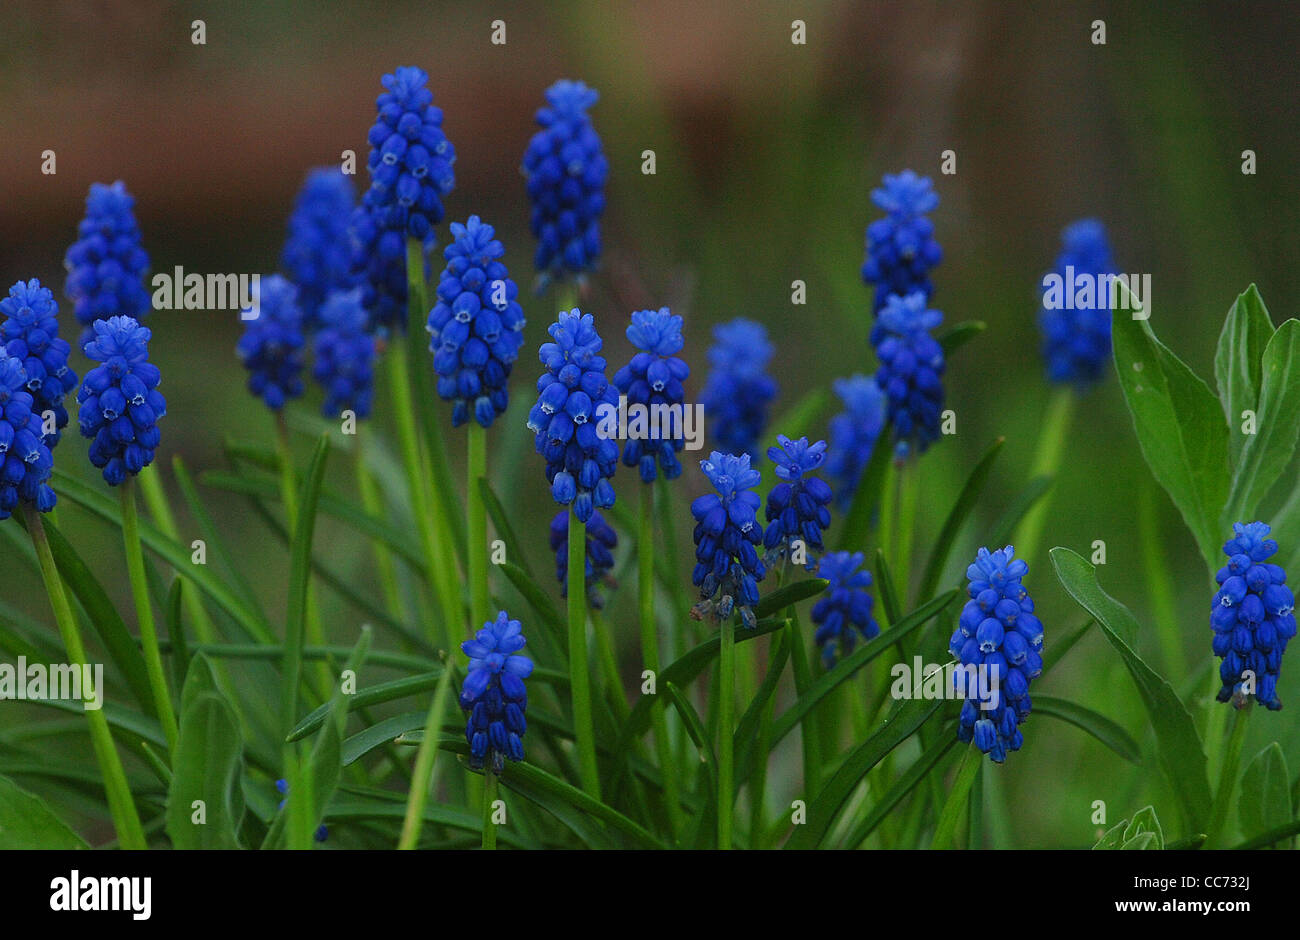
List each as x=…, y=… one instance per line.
x=766, y=154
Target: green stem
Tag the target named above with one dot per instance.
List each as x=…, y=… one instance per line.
x=476, y=525
x=489, y=797
x=1047, y=459
x=130, y=834
x=425, y=775
x=373, y=503
x=726, y=730
x=950, y=816
x=144, y=613
x=650, y=656
x=579, y=675
x=1228, y=774
x=609, y=665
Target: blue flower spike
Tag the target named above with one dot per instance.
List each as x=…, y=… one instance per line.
x=601, y=542
x=738, y=391
x=107, y=264
x=119, y=399
x=345, y=355
x=30, y=333
x=476, y=326
x=727, y=567
x=798, y=506
x=853, y=434
x=318, y=252
x=25, y=460
x=1076, y=339
x=998, y=644
x=910, y=373
x=844, y=612
x=901, y=248
x=1253, y=618
x=654, y=379
x=493, y=696
x=271, y=347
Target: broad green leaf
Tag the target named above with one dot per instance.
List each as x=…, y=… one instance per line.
x=1099, y=726
x=1265, y=800
x=299, y=580
x=970, y=494
x=1267, y=452
x=1179, y=427
x=1238, y=362
x=26, y=822
x=1113, y=838
x=1144, y=840
x=1177, y=742
x=1144, y=823
x=206, y=767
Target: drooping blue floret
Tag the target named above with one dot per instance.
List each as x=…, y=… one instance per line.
x=798, y=506
x=901, y=248
x=853, y=434
x=566, y=170
x=1253, y=617
x=727, y=567
x=271, y=347
x=25, y=460
x=844, y=611
x=999, y=644
x=30, y=333
x=600, y=542
x=476, y=326
x=654, y=378
x=579, y=461
x=345, y=355
x=120, y=402
x=318, y=252
x=493, y=695
x=738, y=391
x=1076, y=342
x=107, y=264
x=282, y=787
x=911, y=364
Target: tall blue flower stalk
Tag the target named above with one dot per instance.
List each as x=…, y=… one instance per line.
x=493, y=696
x=271, y=347
x=910, y=373
x=30, y=333
x=727, y=567
x=999, y=636
x=853, y=434
x=119, y=399
x=798, y=506
x=1076, y=337
x=566, y=170
x=318, y=252
x=738, y=391
x=25, y=459
x=1253, y=617
x=601, y=540
x=653, y=379
x=843, y=613
x=901, y=249
x=107, y=263
x=345, y=355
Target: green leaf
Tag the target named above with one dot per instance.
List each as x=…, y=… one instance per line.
x=1238, y=360
x=1144, y=823
x=26, y=822
x=355, y=810
x=966, y=500
x=1099, y=726
x=206, y=767
x=542, y=606
x=299, y=579
x=1265, y=801
x=901, y=787
x=1145, y=840
x=1113, y=838
x=1272, y=837
x=1267, y=452
x=793, y=593
x=180, y=653
x=945, y=830
x=501, y=522
x=1177, y=743
x=747, y=728
x=857, y=522
x=959, y=334
x=1179, y=427
x=373, y=695
x=795, y=421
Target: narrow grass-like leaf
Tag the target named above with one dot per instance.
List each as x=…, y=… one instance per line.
x=373, y=695
x=1265, y=801
x=1025, y=500
x=180, y=653
x=961, y=510
x=904, y=785
x=1267, y=452
x=26, y=822
x=299, y=579
x=1237, y=362
x=361, y=810
x=1272, y=837
x=866, y=497
x=1099, y=726
x=747, y=728
x=792, y=593
x=945, y=830
x=542, y=606
x=501, y=522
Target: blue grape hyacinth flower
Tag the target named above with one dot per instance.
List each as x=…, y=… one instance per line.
x=566, y=170
x=318, y=252
x=1076, y=341
x=911, y=366
x=579, y=460
x=601, y=540
x=844, y=611
x=282, y=787
x=107, y=264
x=25, y=460
x=738, y=391
x=798, y=506
x=345, y=355
x=119, y=399
x=271, y=347
x=1253, y=617
x=30, y=333
x=494, y=696
x=853, y=434
x=901, y=248
x=654, y=378
x=476, y=326
x=999, y=636
x=727, y=567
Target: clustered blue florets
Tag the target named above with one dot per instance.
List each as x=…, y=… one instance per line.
x=30, y=333
x=727, y=568
x=845, y=610
x=600, y=542
x=654, y=377
x=476, y=326
x=106, y=264
x=494, y=695
x=911, y=363
x=345, y=355
x=120, y=402
x=271, y=347
x=25, y=460
x=798, y=506
x=566, y=171
x=579, y=462
x=999, y=635
x=853, y=434
x=1253, y=618
x=737, y=393
x=318, y=252
x=1076, y=337
x=901, y=248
